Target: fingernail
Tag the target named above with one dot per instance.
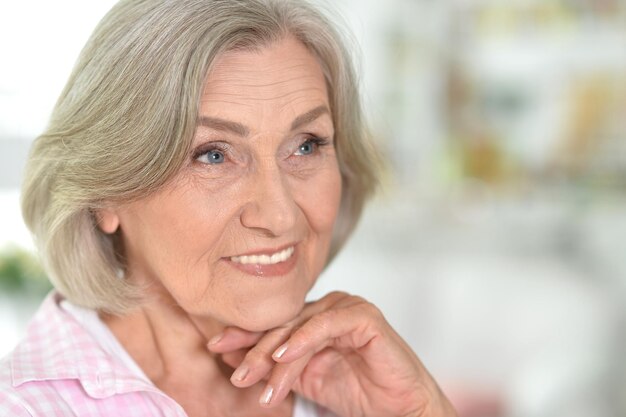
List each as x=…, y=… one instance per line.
x=240, y=373
x=215, y=339
x=267, y=395
x=280, y=351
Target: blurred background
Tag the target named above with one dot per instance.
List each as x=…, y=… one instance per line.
x=496, y=246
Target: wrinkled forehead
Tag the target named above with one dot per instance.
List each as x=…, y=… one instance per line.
x=274, y=83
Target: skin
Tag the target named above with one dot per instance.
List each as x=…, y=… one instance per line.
x=211, y=334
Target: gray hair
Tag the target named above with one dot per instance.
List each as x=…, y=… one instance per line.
x=125, y=121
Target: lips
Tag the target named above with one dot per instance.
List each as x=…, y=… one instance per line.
x=266, y=263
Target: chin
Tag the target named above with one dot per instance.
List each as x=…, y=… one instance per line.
x=264, y=318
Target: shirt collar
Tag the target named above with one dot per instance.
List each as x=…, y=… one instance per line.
x=56, y=347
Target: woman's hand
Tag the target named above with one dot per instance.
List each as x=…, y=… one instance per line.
x=341, y=353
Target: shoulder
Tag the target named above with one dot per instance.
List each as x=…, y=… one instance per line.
x=59, y=369
x=37, y=398
x=11, y=404
x=31, y=374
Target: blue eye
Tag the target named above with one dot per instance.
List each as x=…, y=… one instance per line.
x=212, y=157
x=309, y=146
x=215, y=157
x=306, y=148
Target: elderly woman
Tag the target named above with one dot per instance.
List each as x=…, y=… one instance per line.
x=204, y=163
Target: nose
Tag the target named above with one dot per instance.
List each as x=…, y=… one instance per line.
x=270, y=208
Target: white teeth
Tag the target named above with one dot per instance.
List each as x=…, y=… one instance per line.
x=275, y=258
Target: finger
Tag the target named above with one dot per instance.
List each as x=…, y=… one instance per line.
x=352, y=326
x=258, y=361
x=281, y=381
x=327, y=302
x=234, y=358
x=233, y=338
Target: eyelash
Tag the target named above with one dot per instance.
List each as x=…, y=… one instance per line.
x=224, y=148
x=315, y=140
x=210, y=147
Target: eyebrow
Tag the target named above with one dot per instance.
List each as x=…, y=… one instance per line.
x=309, y=116
x=224, y=125
x=241, y=130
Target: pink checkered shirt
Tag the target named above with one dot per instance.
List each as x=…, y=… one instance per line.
x=60, y=370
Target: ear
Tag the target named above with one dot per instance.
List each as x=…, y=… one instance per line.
x=108, y=220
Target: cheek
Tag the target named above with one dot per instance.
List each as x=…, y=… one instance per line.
x=319, y=199
x=169, y=234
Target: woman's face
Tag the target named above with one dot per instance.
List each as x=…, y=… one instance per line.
x=242, y=232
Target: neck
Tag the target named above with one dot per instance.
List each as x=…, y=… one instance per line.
x=169, y=345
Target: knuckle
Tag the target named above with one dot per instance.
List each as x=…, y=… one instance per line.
x=337, y=294
x=357, y=299
x=320, y=322
x=372, y=311
x=334, y=297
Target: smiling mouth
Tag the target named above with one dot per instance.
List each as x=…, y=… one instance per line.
x=266, y=259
